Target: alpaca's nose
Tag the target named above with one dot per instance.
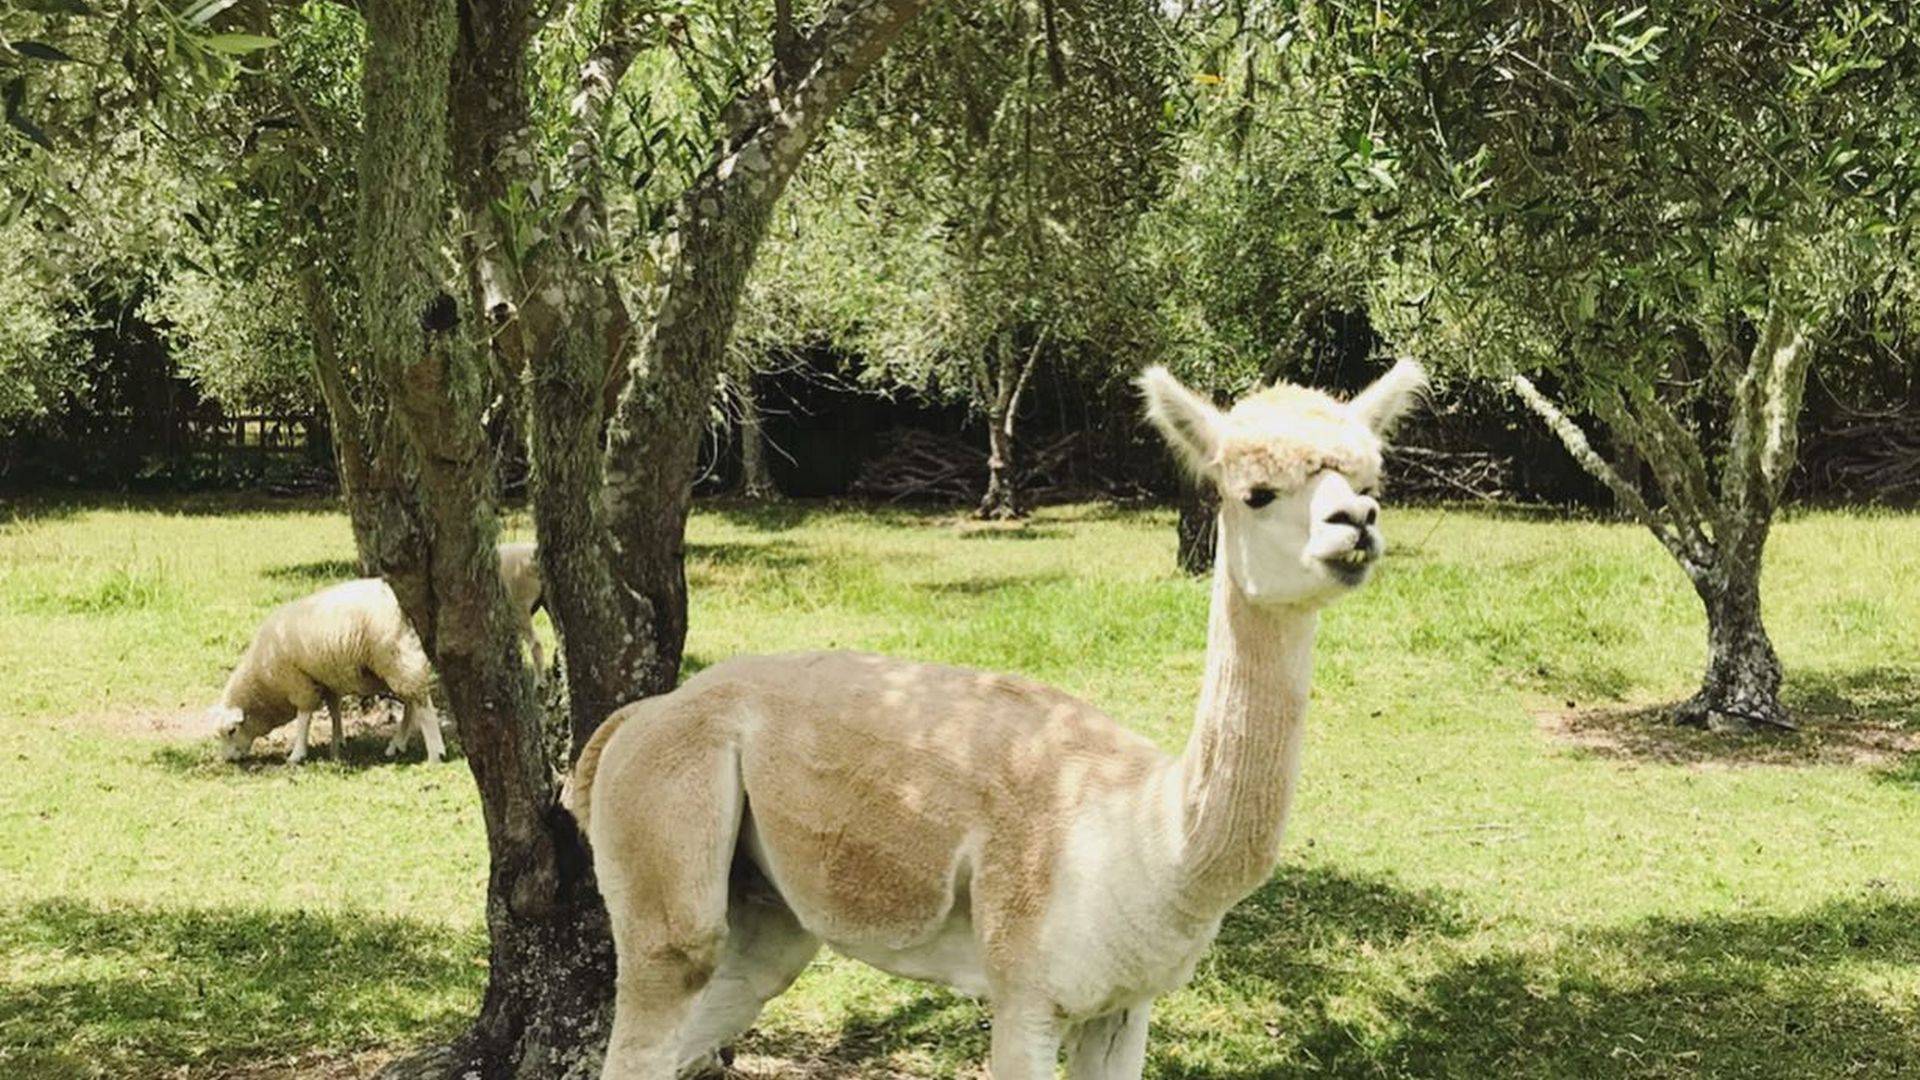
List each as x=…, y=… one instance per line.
x=1360, y=512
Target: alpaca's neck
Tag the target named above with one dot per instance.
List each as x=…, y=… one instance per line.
x=1238, y=771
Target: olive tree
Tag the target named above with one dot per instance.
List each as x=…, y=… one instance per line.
x=461, y=127
x=1254, y=244
x=978, y=205
x=1644, y=218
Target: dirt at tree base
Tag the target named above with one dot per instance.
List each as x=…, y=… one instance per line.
x=1648, y=735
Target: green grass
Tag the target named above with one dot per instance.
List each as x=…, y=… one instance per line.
x=1462, y=894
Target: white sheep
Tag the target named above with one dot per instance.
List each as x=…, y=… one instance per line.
x=347, y=639
x=526, y=592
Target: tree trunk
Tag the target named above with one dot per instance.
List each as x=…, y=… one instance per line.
x=756, y=479
x=550, y=964
x=546, y=1008
x=1197, y=528
x=654, y=438
x=1718, y=537
x=1002, y=500
x=352, y=459
x=1741, y=688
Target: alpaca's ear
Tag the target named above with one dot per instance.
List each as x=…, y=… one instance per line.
x=1189, y=422
x=1381, y=405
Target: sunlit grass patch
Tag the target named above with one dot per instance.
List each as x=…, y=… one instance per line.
x=1463, y=893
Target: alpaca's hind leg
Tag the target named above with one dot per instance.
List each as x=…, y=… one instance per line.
x=1110, y=1047
x=766, y=949
x=661, y=850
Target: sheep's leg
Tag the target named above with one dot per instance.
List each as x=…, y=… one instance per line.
x=301, y=723
x=402, y=735
x=428, y=720
x=662, y=867
x=339, y=728
x=765, y=951
x=1026, y=1039
x=1110, y=1047
x=539, y=656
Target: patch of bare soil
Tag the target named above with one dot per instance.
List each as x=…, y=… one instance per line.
x=1648, y=734
x=193, y=723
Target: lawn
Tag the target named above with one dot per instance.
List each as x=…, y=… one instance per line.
x=1501, y=864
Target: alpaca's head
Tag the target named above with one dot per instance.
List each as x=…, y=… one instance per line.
x=1297, y=471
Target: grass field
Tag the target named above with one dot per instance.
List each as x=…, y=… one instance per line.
x=1500, y=864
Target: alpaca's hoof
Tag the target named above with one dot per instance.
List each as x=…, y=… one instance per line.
x=392, y=750
x=295, y=757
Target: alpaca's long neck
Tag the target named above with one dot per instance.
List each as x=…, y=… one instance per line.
x=1238, y=771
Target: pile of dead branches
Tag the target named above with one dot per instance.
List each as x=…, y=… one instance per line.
x=1420, y=474
x=1872, y=456
x=922, y=466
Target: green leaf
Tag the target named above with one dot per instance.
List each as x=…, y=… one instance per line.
x=56, y=7
x=40, y=50
x=240, y=44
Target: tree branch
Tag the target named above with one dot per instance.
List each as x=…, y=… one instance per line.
x=1575, y=440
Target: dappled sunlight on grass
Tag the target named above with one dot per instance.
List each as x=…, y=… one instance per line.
x=89, y=989
x=1463, y=894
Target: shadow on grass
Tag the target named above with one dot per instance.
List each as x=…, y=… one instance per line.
x=366, y=748
x=774, y=555
x=1009, y=531
x=1865, y=717
x=1323, y=973
x=1766, y=996
x=317, y=573
x=777, y=516
x=988, y=584
x=90, y=990
x=21, y=511
x=55, y=505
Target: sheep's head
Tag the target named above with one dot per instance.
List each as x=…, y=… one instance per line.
x=236, y=735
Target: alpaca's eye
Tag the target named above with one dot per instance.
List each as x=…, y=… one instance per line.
x=1259, y=497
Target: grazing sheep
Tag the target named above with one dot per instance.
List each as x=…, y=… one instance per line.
x=347, y=639
x=520, y=573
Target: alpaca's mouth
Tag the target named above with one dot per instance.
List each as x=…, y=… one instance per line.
x=1350, y=566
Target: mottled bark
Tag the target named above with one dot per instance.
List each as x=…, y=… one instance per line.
x=553, y=318
x=437, y=374
x=1717, y=535
x=653, y=440
x=1002, y=500
x=352, y=456
x=445, y=97
x=756, y=479
x=1741, y=687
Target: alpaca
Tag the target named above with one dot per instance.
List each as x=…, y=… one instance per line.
x=976, y=829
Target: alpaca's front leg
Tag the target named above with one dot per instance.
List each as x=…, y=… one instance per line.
x=1110, y=1047
x=301, y=723
x=1026, y=1039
